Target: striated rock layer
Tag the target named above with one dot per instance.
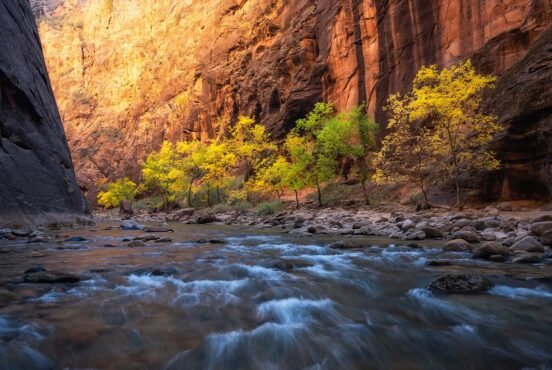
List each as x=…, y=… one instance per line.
x=129, y=75
x=37, y=182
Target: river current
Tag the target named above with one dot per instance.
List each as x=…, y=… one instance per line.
x=264, y=300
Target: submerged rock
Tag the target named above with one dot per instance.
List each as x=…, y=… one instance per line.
x=527, y=258
x=158, y=229
x=460, y=284
x=50, y=277
x=136, y=243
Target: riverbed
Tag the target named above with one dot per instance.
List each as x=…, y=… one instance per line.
x=261, y=299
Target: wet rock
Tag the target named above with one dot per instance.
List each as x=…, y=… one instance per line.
x=491, y=249
x=211, y=241
x=76, y=239
x=311, y=230
x=432, y=233
x=131, y=225
x=527, y=258
x=206, y=219
x=136, y=244
x=460, y=284
x=5, y=232
x=539, y=228
x=458, y=245
x=154, y=271
x=110, y=246
x=158, y=229
x=344, y=244
x=37, y=240
x=289, y=265
x=21, y=232
x=437, y=263
x=147, y=237
x=50, y=277
x=528, y=244
x=468, y=236
x=34, y=269
x=164, y=240
x=497, y=258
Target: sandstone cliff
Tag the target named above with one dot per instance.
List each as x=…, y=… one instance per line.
x=37, y=181
x=129, y=75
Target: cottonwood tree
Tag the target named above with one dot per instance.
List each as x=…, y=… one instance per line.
x=161, y=173
x=122, y=189
x=406, y=154
x=448, y=102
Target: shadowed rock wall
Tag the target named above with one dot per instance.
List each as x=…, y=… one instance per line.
x=37, y=182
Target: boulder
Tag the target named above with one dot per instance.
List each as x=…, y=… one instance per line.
x=491, y=249
x=311, y=229
x=468, y=236
x=131, y=225
x=125, y=209
x=542, y=218
x=344, y=244
x=460, y=284
x=458, y=245
x=546, y=238
x=21, y=232
x=528, y=244
x=50, y=277
x=539, y=228
x=407, y=225
x=147, y=237
x=415, y=235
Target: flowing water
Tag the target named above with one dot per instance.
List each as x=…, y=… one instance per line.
x=264, y=300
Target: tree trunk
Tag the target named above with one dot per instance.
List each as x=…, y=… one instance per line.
x=296, y=198
x=190, y=195
x=364, y=191
x=218, y=194
x=208, y=196
x=319, y=194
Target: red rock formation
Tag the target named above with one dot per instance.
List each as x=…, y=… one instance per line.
x=130, y=75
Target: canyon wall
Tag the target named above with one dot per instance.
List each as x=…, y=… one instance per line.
x=128, y=75
x=37, y=182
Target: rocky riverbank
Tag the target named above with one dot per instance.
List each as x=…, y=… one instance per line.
x=498, y=235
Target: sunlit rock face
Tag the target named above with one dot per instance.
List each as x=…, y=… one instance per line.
x=37, y=182
x=129, y=74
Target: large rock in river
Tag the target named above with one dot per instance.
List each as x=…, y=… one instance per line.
x=460, y=283
x=37, y=182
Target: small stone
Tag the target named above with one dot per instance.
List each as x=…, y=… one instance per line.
x=136, y=243
x=147, y=237
x=34, y=269
x=158, y=229
x=460, y=284
x=527, y=258
x=76, y=239
x=437, y=263
x=528, y=244
x=458, y=245
x=468, y=236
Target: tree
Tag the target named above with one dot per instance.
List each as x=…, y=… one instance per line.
x=193, y=155
x=451, y=100
x=405, y=153
x=217, y=165
x=300, y=161
x=442, y=115
x=161, y=173
x=122, y=189
x=273, y=178
x=251, y=145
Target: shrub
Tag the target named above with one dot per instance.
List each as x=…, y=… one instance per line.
x=269, y=208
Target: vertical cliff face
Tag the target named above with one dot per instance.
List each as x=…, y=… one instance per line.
x=37, y=177
x=129, y=75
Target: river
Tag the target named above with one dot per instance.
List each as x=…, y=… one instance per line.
x=263, y=300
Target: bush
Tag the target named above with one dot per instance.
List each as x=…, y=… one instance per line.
x=269, y=208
